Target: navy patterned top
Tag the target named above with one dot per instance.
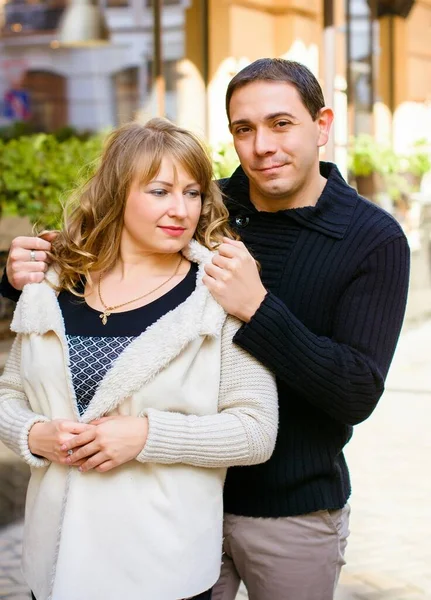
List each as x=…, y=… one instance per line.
x=93, y=347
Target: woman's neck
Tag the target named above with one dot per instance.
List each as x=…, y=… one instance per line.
x=130, y=265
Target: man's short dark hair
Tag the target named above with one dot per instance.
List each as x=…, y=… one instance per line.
x=279, y=69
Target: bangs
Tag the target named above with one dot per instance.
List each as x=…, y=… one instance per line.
x=148, y=160
x=194, y=159
x=142, y=155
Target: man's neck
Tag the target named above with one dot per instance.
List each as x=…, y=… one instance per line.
x=308, y=195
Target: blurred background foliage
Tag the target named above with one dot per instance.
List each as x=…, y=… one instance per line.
x=38, y=171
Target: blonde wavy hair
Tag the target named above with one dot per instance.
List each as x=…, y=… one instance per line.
x=93, y=216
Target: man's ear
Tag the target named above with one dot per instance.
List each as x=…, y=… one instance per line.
x=324, y=121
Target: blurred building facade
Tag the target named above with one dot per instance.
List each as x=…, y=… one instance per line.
x=372, y=57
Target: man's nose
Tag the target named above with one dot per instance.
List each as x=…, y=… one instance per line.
x=264, y=143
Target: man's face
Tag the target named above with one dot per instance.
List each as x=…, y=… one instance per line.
x=276, y=140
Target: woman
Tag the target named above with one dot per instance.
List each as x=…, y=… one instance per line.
x=123, y=390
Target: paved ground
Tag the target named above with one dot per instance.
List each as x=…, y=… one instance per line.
x=389, y=554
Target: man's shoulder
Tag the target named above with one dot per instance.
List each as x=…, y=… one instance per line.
x=373, y=219
x=222, y=183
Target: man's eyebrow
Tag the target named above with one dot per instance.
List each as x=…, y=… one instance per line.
x=269, y=117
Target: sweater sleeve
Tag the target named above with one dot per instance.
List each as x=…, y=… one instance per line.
x=16, y=416
x=244, y=430
x=343, y=375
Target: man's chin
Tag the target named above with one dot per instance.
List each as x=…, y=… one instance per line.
x=276, y=189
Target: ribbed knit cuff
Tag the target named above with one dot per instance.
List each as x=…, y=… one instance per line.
x=255, y=332
x=15, y=428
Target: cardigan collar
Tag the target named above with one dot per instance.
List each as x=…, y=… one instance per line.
x=331, y=215
x=38, y=312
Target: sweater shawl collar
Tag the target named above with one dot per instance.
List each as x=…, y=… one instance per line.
x=331, y=215
x=38, y=312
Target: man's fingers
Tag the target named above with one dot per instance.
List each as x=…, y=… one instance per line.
x=222, y=261
x=214, y=271
x=18, y=268
x=49, y=236
x=22, y=256
x=212, y=284
x=231, y=251
x=18, y=281
x=237, y=243
x=31, y=243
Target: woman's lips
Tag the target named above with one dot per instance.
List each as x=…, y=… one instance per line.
x=173, y=231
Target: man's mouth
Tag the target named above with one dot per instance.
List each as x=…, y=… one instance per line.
x=269, y=168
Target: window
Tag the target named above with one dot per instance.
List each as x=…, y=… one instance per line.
x=126, y=86
x=24, y=17
x=360, y=16
x=48, y=100
x=170, y=73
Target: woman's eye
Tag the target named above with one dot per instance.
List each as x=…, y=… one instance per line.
x=193, y=193
x=158, y=193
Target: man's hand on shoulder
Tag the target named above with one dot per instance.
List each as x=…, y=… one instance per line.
x=28, y=260
x=233, y=279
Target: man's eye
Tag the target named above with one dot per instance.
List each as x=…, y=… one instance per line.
x=283, y=123
x=242, y=130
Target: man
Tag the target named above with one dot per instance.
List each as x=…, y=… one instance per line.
x=324, y=314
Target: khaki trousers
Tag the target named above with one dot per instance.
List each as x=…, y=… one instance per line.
x=292, y=558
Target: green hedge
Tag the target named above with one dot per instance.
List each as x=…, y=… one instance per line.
x=37, y=172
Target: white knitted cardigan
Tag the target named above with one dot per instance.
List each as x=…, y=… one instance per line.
x=246, y=432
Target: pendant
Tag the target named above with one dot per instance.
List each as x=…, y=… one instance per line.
x=104, y=316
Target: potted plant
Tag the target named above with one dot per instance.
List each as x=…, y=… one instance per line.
x=371, y=164
x=416, y=163
x=363, y=165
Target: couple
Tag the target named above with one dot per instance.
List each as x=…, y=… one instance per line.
x=150, y=436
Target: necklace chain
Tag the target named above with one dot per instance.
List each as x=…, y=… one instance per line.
x=108, y=309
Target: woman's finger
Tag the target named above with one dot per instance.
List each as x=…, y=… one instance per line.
x=106, y=466
x=93, y=462
x=80, y=439
x=82, y=452
x=103, y=420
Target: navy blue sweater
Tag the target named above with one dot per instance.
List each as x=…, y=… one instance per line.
x=337, y=279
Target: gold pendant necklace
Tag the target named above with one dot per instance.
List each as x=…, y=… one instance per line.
x=108, y=309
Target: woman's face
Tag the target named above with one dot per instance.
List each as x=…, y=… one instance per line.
x=161, y=216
